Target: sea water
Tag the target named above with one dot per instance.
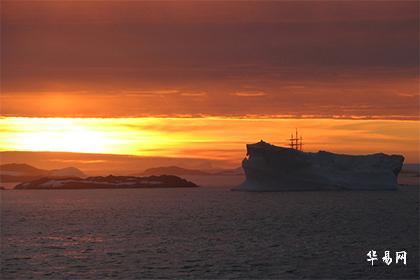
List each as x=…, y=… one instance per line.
x=202, y=233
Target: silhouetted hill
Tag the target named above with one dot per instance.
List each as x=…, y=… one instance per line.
x=173, y=170
x=21, y=172
x=102, y=164
x=20, y=167
x=180, y=171
x=235, y=171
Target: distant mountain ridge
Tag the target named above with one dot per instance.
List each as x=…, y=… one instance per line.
x=178, y=171
x=173, y=170
x=21, y=172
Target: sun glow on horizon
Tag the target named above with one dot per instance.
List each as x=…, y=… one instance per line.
x=209, y=138
x=72, y=135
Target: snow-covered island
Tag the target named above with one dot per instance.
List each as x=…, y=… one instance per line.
x=272, y=168
x=108, y=182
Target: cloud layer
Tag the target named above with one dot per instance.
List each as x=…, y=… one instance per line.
x=216, y=58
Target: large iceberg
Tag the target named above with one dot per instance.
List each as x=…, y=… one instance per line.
x=272, y=168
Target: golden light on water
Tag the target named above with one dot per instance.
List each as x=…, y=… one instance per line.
x=210, y=137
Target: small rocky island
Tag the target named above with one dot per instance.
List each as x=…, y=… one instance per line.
x=108, y=182
x=272, y=168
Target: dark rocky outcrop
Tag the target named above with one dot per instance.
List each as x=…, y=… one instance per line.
x=108, y=182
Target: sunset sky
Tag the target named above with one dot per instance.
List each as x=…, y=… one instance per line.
x=201, y=79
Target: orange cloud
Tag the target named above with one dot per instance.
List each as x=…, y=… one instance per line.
x=249, y=93
x=146, y=56
x=140, y=92
x=199, y=93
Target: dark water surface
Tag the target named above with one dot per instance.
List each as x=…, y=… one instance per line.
x=206, y=233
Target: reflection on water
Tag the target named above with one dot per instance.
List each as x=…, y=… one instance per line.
x=205, y=233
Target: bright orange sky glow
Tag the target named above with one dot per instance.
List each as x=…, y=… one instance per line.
x=201, y=79
x=207, y=138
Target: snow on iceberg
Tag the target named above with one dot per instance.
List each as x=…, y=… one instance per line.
x=272, y=168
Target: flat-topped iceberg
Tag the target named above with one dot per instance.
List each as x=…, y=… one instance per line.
x=272, y=168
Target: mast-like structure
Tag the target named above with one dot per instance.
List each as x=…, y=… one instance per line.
x=295, y=142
